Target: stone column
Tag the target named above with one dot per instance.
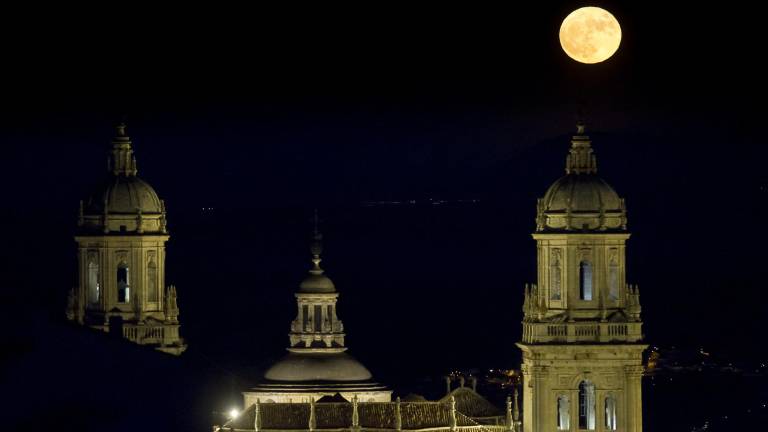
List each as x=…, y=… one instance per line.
x=109, y=279
x=161, y=275
x=139, y=284
x=529, y=407
x=633, y=420
x=81, y=293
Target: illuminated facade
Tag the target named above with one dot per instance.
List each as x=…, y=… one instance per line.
x=582, y=339
x=121, y=240
x=317, y=363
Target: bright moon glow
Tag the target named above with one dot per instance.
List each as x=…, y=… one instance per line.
x=590, y=35
x=233, y=413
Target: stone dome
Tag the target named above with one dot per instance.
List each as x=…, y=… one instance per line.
x=122, y=202
x=581, y=193
x=123, y=195
x=318, y=367
x=581, y=200
x=317, y=282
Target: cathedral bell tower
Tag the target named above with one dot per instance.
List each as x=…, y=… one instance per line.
x=121, y=237
x=582, y=338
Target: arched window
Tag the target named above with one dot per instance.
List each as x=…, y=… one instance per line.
x=585, y=280
x=563, y=413
x=152, y=281
x=610, y=413
x=93, y=282
x=123, y=284
x=586, y=405
x=555, y=276
x=613, y=280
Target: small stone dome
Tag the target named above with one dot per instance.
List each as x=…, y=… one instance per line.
x=318, y=367
x=581, y=193
x=123, y=195
x=317, y=282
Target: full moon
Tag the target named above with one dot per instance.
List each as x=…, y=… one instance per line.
x=590, y=35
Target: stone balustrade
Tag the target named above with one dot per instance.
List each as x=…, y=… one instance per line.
x=151, y=335
x=591, y=332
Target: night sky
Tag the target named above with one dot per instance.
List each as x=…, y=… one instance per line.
x=265, y=115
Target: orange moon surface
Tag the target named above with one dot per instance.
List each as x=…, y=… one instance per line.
x=590, y=35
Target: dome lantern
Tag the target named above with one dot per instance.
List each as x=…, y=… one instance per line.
x=122, y=162
x=581, y=160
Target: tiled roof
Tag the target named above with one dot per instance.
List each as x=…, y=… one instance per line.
x=471, y=404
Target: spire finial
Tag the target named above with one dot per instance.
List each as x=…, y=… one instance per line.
x=580, y=127
x=317, y=245
x=120, y=129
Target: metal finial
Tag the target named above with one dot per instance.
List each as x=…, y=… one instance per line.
x=316, y=248
x=580, y=127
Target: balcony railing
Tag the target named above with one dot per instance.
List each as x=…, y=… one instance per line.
x=595, y=332
x=151, y=334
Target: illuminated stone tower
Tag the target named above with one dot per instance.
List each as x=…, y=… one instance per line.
x=582, y=337
x=317, y=363
x=121, y=239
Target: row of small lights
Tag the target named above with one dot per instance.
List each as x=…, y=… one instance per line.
x=706, y=424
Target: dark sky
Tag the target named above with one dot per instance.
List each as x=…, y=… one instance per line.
x=266, y=114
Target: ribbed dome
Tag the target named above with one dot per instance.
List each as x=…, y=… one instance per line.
x=318, y=367
x=581, y=193
x=581, y=200
x=123, y=195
